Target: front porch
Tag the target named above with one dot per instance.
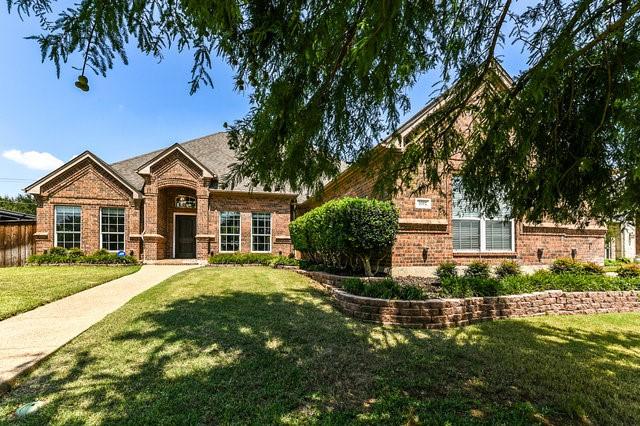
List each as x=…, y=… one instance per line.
x=181, y=222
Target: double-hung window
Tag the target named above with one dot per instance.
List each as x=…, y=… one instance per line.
x=474, y=232
x=112, y=229
x=261, y=232
x=68, y=222
x=229, y=231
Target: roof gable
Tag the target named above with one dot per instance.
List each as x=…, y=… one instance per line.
x=35, y=188
x=145, y=169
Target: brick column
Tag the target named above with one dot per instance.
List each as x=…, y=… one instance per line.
x=151, y=236
x=202, y=221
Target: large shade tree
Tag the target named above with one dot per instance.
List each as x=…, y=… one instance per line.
x=329, y=78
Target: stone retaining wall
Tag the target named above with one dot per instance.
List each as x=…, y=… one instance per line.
x=442, y=313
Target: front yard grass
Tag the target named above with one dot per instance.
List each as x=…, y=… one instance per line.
x=263, y=346
x=26, y=288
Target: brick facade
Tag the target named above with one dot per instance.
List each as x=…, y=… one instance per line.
x=149, y=222
x=442, y=313
x=425, y=238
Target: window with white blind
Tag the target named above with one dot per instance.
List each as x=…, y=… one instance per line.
x=261, y=232
x=474, y=232
x=229, y=231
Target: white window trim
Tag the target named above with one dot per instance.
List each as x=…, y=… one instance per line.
x=174, y=229
x=55, y=223
x=270, y=233
x=125, y=228
x=220, y=232
x=483, y=236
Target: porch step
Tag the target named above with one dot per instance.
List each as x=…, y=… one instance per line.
x=176, y=262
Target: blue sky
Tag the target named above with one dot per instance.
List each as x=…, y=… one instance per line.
x=138, y=108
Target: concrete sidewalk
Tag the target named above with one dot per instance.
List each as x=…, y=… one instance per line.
x=30, y=337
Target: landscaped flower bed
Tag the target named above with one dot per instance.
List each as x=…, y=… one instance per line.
x=62, y=256
x=447, y=312
x=567, y=288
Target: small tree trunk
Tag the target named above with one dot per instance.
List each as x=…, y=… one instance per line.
x=366, y=262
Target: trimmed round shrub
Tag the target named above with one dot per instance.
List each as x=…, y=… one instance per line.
x=508, y=268
x=564, y=265
x=347, y=234
x=478, y=269
x=75, y=253
x=629, y=270
x=57, y=251
x=446, y=269
x=592, y=268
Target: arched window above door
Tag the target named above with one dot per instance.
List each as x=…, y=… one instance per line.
x=185, y=202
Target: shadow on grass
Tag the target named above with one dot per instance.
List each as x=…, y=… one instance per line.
x=266, y=358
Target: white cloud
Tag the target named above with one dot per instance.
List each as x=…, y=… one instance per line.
x=33, y=159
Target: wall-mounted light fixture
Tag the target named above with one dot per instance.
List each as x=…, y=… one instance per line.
x=425, y=254
x=574, y=253
x=539, y=253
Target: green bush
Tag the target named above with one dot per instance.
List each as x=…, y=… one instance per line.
x=630, y=270
x=539, y=281
x=565, y=264
x=478, y=269
x=283, y=261
x=544, y=280
x=446, y=269
x=347, y=234
x=75, y=253
x=60, y=255
x=57, y=251
x=383, y=289
x=241, y=259
x=265, y=259
x=469, y=286
x=353, y=285
x=592, y=268
x=508, y=268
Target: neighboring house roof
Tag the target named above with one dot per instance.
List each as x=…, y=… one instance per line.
x=11, y=216
x=35, y=187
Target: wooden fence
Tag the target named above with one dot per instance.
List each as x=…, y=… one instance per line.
x=16, y=242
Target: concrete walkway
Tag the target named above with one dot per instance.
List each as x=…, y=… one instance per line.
x=28, y=338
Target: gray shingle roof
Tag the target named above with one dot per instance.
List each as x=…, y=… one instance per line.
x=212, y=151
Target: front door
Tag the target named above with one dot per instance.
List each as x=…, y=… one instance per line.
x=185, y=237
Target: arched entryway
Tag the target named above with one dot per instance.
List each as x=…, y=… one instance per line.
x=177, y=221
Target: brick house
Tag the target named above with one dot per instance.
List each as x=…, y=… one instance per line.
x=437, y=226
x=172, y=203
x=160, y=205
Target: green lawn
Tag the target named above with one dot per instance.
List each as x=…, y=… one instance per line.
x=263, y=346
x=25, y=288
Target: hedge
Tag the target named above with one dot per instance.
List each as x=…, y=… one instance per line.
x=60, y=255
x=539, y=281
x=347, y=234
x=251, y=259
